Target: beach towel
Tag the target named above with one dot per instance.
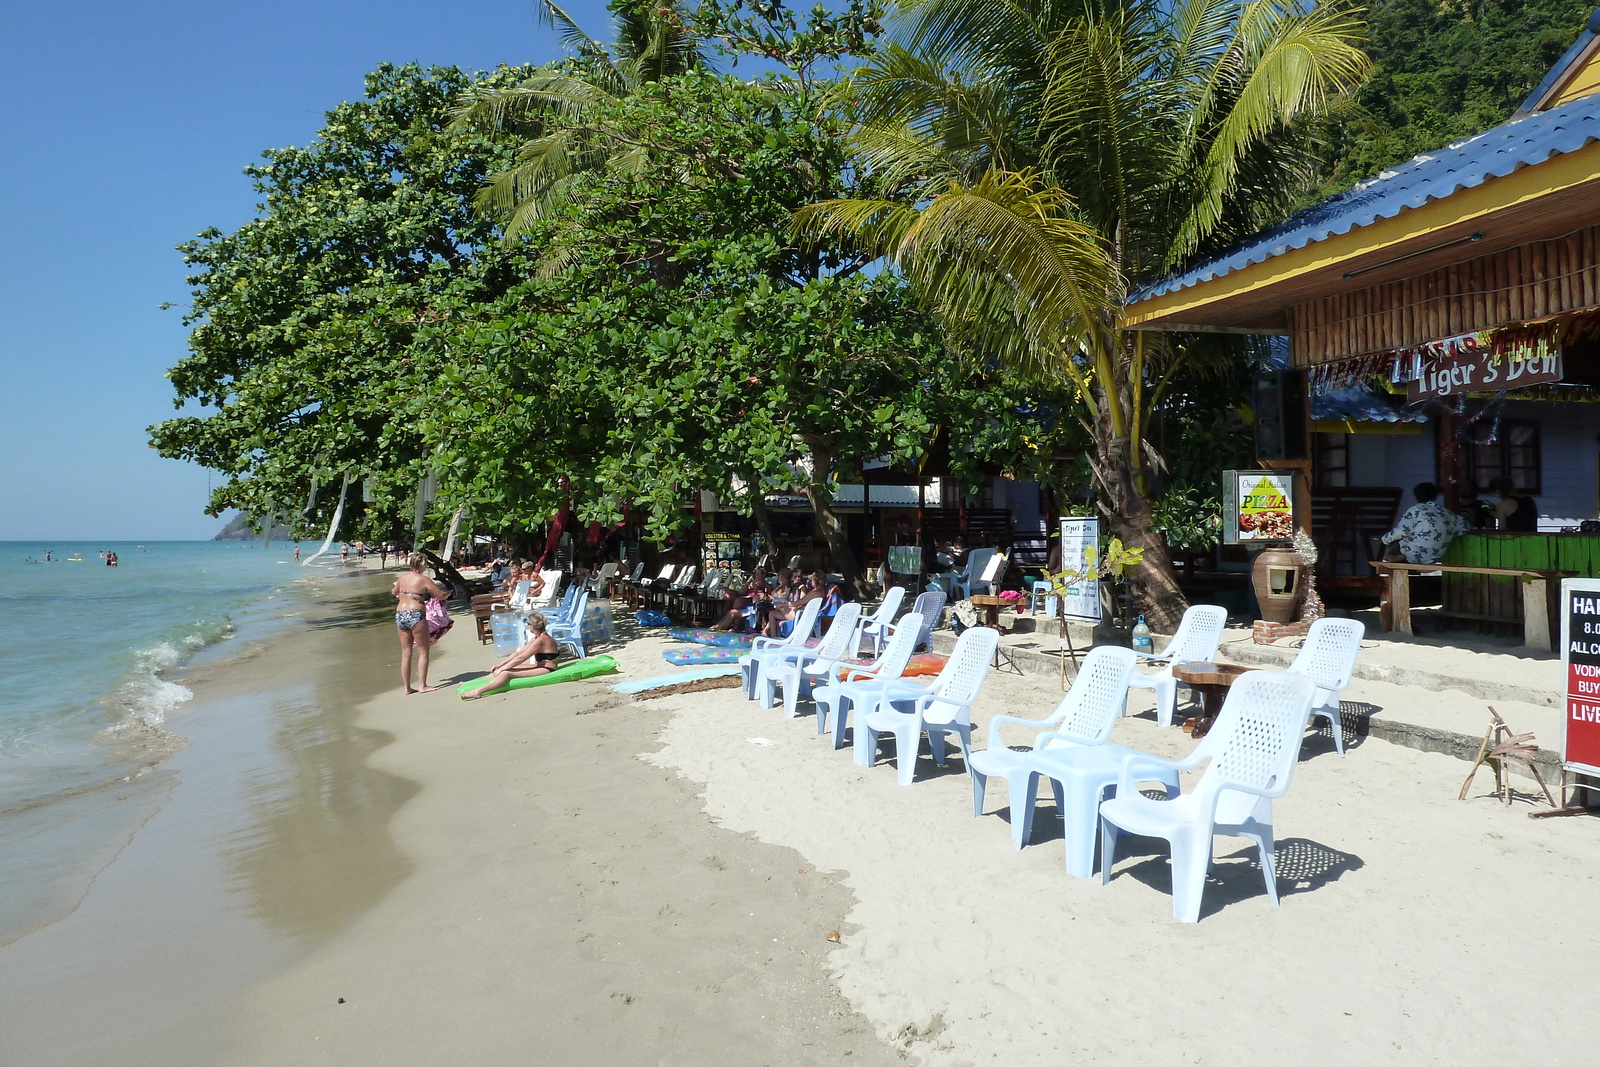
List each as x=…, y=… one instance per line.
x=640, y=685
x=920, y=665
x=718, y=638
x=685, y=657
x=439, y=620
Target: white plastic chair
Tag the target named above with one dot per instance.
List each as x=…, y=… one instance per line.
x=1041, y=591
x=796, y=668
x=868, y=685
x=552, y=589
x=1199, y=634
x=1252, y=748
x=877, y=625
x=1085, y=716
x=945, y=707
x=764, y=648
x=1328, y=658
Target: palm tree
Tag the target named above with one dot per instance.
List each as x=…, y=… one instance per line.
x=654, y=42
x=1039, y=160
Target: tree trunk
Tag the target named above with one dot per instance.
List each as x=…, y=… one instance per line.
x=763, y=517
x=841, y=558
x=1153, y=584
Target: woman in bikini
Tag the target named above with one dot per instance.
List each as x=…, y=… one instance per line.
x=412, y=591
x=536, y=657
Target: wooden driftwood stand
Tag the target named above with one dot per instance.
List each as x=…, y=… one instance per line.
x=1499, y=745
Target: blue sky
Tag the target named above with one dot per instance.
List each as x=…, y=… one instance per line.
x=125, y=130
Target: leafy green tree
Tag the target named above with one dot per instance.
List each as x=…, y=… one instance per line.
x=301, y=318
x=1039, y=160
x=554, y=109
x=670, y=337
x=1442, y=72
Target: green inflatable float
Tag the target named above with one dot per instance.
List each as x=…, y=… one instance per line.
x=583, y=668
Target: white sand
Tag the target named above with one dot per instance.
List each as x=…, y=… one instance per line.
x=1414, y=928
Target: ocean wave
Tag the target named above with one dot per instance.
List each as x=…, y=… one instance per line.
x=144, y=697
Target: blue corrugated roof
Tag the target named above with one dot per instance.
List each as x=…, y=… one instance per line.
x=1362, y=403
x=1523, y=142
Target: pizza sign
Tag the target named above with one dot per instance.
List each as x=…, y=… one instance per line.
x=1258, y=506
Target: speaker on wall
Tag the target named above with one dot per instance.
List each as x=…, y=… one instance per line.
x=1279, y=399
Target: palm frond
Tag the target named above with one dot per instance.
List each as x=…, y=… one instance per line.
x=1289, y=66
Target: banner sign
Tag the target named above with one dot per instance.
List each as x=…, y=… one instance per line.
x=1080, y=552
x=905, y=559
x=1467, y=364
x=1257, y=506
x=1580, y=668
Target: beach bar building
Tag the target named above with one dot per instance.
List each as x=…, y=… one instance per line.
x=1443, y=320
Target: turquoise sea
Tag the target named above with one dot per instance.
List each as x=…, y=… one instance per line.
x=85, y=649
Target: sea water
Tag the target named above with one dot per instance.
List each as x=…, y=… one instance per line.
x=86, y=649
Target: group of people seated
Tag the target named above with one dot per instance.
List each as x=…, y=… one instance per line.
x=770, y=605
x=505, y=575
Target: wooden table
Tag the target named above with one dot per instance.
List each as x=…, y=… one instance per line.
x=1212, y=681
x=991, y=606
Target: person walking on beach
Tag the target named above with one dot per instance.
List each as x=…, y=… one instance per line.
x=536, y=657
x=412, y=591
x=344, y=552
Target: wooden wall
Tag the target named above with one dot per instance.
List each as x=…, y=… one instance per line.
x=1514, y=285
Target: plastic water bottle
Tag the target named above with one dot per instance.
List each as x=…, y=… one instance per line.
x=1141, y=637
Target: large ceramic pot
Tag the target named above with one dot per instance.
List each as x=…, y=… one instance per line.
x=1277, y=575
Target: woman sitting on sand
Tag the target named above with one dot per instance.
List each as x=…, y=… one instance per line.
x=412, y=591
x=536, y=657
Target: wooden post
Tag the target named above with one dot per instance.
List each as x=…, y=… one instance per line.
x=1536, y=614
x=1400, y=600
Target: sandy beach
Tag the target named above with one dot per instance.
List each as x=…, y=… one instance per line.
x=563, y=874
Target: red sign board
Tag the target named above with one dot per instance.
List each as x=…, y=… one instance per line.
x=1460, y=365
x=1580, y=667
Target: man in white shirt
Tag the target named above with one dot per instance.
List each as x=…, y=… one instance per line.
x=1427, y=527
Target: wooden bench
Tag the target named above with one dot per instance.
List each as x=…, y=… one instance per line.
x=1539, y=602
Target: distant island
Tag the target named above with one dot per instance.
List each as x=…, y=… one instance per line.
x=238, y=529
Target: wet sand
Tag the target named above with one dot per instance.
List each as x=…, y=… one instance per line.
x=570, y=902
x=262, y=838
x=504, y=881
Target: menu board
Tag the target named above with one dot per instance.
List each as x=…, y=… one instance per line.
x=1080, y=552
x=1257, y=506
x=1580, y=668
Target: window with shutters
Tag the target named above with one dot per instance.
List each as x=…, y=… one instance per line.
x=1503, y=449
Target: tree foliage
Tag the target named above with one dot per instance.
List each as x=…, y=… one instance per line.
x=1443, y=71
x=1037, y=161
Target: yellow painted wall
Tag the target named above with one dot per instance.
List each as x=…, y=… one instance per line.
x=1582, y=82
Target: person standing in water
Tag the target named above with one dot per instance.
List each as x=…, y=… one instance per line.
x=412, y=591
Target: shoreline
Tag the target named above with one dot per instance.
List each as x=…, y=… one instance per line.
x=565, y=895
x=181, y=911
